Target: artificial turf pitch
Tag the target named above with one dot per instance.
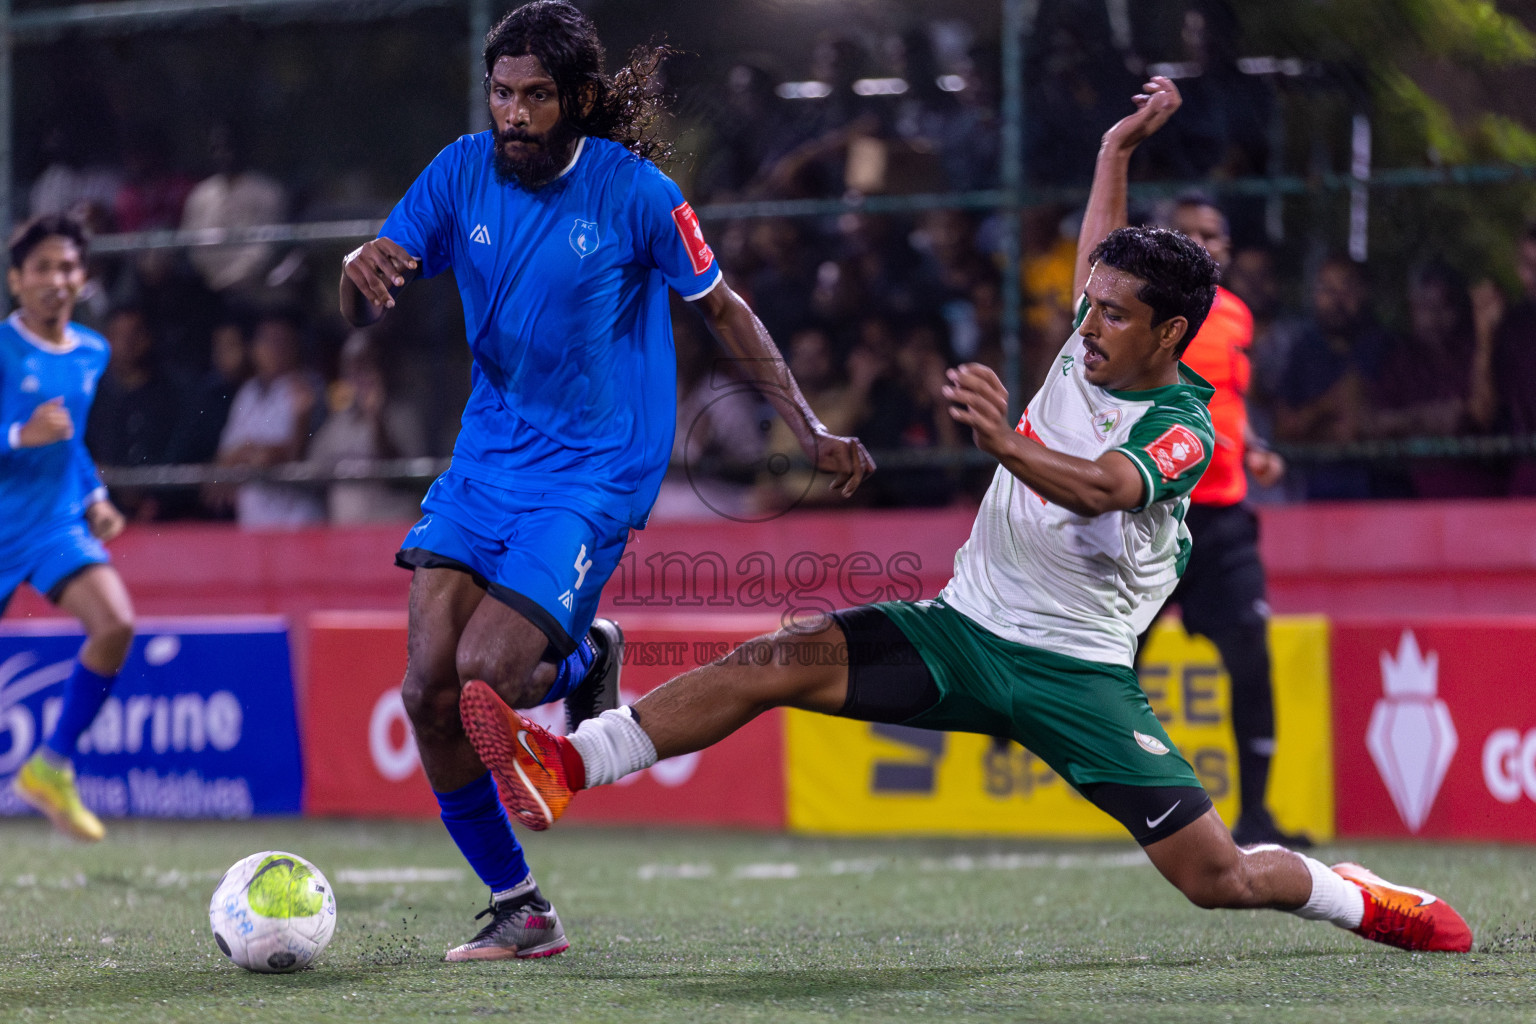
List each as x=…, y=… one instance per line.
x=686, y=925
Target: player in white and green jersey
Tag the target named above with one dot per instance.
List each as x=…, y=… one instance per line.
x=1077, y=544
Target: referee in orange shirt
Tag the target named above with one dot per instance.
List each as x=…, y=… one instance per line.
x=1222, y=593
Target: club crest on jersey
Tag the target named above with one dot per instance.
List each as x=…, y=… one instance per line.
x=1105, y=422
x=699, y=252
x=584, y=237
x=29, y=384
x=1175, y=451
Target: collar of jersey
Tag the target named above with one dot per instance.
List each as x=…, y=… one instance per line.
x=581, y=144
x=1188, y=380
x=71, y=337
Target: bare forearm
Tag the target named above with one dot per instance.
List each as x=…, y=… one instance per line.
x=743, y=335
x=1078, y=485
x=1106, y=209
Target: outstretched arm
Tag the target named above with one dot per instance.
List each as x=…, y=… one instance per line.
x=1089, y=487
x=1106, y=199
x=743, y=335
x=371, y=276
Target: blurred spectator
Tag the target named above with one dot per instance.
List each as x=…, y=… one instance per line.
x=1077, y=82
x=271, y=422
x=1508, y=377
x=908, y=412
x=751, y=130
x=813, y=359
x=783, y=286
x=106, y=273
x=1334, y=357
x=1049, y=263
x=366, y=423
x=722, y=424
x=68, y=182
x=825, y=126
x=137, y=411
x=209, y=399
x=972, y=155
x=235, y=197
x=153, y=193
x=1251, y=277
x=1426, y=384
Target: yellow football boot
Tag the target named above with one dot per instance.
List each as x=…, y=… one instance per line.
x=52, y=791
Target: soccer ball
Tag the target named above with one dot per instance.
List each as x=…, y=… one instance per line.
x=273, y=912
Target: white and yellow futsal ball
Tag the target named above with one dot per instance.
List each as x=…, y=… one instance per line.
x=272, y=912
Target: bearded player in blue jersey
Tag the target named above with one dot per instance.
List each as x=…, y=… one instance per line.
x=564, y=239
x=54, y=512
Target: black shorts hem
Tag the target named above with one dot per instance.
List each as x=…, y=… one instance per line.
x=888, y=681
x=560, y=643
x=1149, y=813
x=57, y=590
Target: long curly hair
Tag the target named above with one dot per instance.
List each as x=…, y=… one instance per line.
x=626, y=108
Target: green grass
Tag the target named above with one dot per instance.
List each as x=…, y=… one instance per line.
x=685, y=925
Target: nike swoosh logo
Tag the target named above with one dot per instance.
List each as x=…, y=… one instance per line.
x=522, y=739
x=1151, y=822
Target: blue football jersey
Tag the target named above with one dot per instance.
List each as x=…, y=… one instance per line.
x=574, y=382
x=40, y=487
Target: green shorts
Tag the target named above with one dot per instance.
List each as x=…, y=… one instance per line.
x=1089, y=721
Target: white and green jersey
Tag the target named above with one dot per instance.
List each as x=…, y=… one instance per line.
x=1087, y=586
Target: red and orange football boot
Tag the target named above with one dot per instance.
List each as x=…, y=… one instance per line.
x=1402, y=916
x=536, y=772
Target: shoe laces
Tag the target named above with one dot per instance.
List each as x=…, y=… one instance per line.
x=1400, y=927
x=504, y=912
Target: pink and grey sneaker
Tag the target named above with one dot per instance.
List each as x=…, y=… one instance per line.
x=524, y=928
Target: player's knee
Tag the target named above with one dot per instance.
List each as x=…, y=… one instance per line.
x=113, y=637
x=432, y=705
x=512, y=680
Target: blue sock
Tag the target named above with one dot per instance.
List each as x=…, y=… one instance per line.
x=478, y=824
x=84, y=694
x=572, y=671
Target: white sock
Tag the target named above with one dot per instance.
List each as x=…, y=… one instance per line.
x=1333, y=898
x=612, y=745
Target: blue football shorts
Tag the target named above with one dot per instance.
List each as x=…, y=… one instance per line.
x=546, y=562
x=50, y=559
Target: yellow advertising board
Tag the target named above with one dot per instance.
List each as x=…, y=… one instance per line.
x=846, y=777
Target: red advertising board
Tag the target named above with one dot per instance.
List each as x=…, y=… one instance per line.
x=362, y=759
x=1435, y=728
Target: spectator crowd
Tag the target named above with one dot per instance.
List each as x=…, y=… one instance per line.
x=233, y=354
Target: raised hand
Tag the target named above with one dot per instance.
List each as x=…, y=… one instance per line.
x=979, y=401
x=1154, y=107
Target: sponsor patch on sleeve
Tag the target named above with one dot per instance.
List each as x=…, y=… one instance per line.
x=1175, y=451
x=699, y=252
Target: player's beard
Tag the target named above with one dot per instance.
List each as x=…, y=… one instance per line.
x=541, y=163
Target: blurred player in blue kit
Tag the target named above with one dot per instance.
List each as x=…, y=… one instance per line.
x=564, y=239
x=54, y=512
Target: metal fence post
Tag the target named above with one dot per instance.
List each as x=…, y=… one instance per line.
x=1015, y=25
x=7, y=153
x=479, y=25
